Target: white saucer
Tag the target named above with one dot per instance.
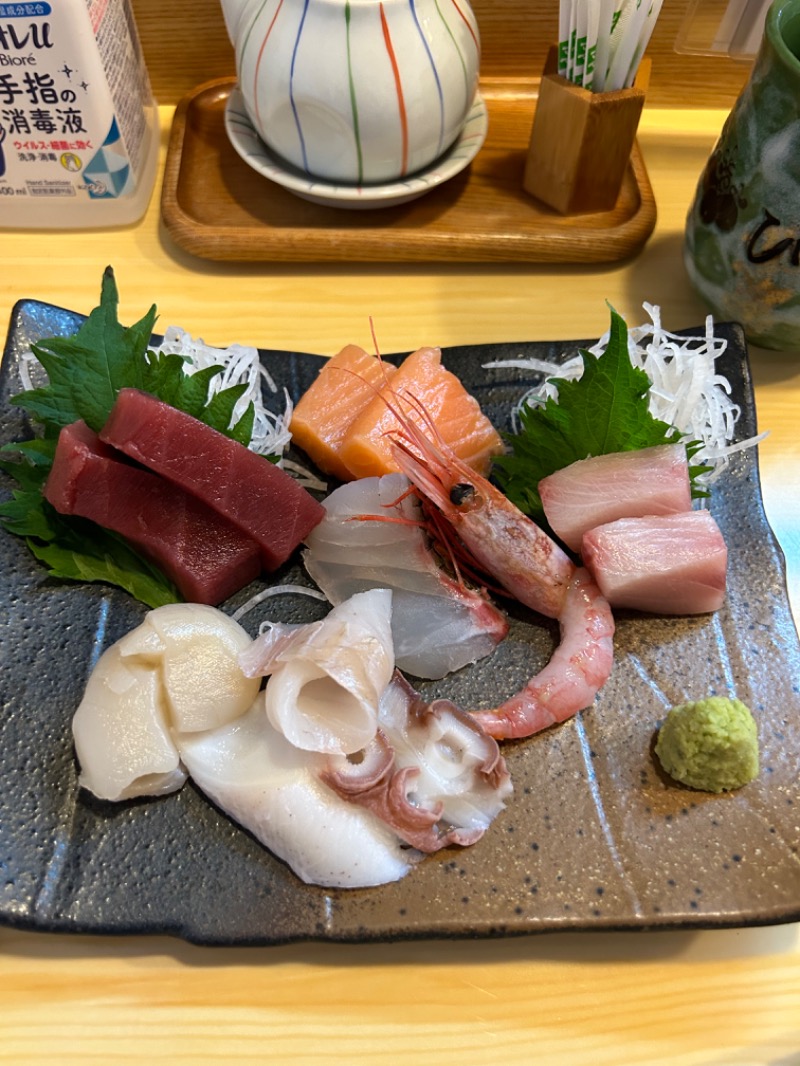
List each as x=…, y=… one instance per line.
x=253, y=151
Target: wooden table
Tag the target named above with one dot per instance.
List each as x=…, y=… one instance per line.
x=727, y=998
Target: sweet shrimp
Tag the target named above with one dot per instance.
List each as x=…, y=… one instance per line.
x=520, y=556
x=578, y=669
x=530, y=566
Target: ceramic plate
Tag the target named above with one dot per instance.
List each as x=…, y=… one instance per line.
x=255, y=152
x=593, y=838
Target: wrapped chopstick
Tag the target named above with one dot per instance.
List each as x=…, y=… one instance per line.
x=601, y=42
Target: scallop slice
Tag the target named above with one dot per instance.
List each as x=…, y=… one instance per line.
x=176, y=672
x=121, y=733
x=198, y=649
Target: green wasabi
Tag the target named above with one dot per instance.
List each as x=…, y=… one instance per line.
x=711, y=745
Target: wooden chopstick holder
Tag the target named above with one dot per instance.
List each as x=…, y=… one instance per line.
x=581, y=141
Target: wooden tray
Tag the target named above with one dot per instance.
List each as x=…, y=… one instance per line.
x=217, y=207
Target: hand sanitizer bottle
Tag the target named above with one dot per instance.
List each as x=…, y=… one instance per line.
x=78, y=123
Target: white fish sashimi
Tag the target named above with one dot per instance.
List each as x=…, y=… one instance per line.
x=438, y=626
x=591, y=492
x=328, y=677
x=273, y=789
x=121, y=733
x=670, y=564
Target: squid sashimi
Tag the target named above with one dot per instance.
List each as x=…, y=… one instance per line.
x=591, y=492
x=177, y=671
x=430, y=778
x=327, y=677
x=420, y=382
x=170, y=699
x=273, y=789
x=671, y=564
x=371, y=537
x=346, y=383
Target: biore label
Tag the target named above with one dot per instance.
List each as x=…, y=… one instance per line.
x=76, y=110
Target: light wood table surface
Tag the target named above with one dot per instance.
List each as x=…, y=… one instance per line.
x=722, y=998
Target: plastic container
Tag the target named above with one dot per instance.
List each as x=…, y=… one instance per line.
x=79, y=136
x=722, y=27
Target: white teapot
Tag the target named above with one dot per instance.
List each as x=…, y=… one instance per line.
x=356, y=91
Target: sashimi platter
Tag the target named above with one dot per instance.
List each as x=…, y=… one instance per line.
x=469, y=642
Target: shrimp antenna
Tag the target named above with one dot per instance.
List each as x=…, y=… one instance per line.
x=374, y=336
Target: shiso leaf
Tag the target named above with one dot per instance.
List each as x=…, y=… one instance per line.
x=75, y=549
x=85, y=373
x=101, y=555
x=605, y=410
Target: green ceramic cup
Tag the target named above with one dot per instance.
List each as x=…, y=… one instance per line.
x=742, y=247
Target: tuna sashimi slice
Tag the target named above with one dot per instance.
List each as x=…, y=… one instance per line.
x=591, y=492
x=668, y=564
x=367, y=447
x=206, y=557
x=324, y=413
x=264, y=501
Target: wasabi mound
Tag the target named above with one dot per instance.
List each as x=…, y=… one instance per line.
x=711, y=745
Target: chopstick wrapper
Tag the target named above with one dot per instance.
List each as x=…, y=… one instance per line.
x=581, y=141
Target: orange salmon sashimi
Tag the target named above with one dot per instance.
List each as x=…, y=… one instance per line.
x=346, y=383
x=420, y=382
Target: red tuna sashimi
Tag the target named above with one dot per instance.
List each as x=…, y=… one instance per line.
x=668, y=564
x=591, y=492
x=264, y=501
x=206, y=557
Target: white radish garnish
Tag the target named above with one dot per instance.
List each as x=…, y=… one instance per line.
x=328, y=677
x=687, y=391
x=241, y=365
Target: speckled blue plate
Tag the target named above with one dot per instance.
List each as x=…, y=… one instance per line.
x=593, y=838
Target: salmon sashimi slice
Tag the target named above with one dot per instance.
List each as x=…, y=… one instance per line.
x=346, y=383
x=254, y=494
x=665, y=564
x=421, y=379
x=206, y=557
x=592, y=492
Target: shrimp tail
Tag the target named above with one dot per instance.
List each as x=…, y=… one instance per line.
x=578, y=669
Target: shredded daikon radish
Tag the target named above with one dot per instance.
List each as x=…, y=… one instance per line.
x=241, y=365
x=304, y=476
x=30, y=370
x=275, y=590
x=686, y=392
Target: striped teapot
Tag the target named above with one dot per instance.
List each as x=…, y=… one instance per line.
x=356, y=91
